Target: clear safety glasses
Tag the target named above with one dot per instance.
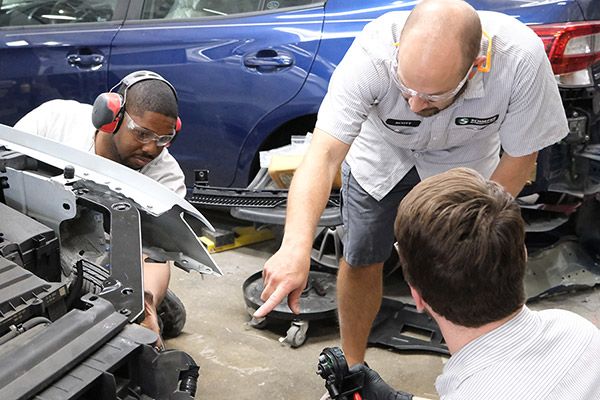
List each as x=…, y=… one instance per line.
x=144, y=135
x=436, y=98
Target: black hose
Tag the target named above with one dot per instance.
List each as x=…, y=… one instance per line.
x=34, y=322
x=24, y=327
x=189, y=380
x=10, y=335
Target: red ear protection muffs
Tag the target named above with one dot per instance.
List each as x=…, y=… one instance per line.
x=108, y=109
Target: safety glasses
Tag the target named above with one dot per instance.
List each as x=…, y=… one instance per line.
x=144, y=135
x=430, y=98
x=436, y=98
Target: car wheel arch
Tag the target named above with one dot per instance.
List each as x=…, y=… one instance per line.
x=278, y=137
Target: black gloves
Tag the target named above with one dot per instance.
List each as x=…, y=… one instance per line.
x=375, y=388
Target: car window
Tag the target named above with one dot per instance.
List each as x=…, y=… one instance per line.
x=173, y=9
x=46, y=12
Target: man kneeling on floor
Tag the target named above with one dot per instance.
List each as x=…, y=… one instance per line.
x=461, y=242
x=131, y=126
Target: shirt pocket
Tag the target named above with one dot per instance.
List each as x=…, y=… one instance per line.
x=461, y=135
x=398, y=135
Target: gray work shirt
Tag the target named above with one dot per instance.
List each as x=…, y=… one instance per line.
x=515, y=105
x=544, y=355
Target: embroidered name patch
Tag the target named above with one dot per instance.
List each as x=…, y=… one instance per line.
x=475, y=121
x=403, y=122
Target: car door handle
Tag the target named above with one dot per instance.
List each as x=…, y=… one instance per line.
x=268, y=59
x=85, y=60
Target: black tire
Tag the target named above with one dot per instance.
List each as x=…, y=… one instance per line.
x=172, y=314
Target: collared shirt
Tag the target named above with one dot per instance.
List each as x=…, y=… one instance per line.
x=549, y=355
x=516, y=105
x=70, y=122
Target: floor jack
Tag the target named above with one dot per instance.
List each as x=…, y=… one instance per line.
x=317, y=302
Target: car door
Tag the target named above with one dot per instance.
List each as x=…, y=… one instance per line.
x=54, y=49
x=232, y=62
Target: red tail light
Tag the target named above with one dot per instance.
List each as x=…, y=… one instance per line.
x=571, y=46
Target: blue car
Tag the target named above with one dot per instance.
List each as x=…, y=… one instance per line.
x=249, y=73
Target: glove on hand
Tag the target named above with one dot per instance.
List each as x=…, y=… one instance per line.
x=375, y=388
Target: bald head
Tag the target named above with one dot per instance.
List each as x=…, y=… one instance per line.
x=442, y=28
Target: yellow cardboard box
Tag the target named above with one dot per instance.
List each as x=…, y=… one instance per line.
x=282, y=168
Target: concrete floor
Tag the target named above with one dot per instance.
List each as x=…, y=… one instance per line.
x=241, y=362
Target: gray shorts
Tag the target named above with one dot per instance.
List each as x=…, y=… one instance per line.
x=369, y=224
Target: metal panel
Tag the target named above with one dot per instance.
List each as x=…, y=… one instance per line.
x=563, y=267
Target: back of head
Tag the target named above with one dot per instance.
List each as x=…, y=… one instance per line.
x=151, y=95
x=461, y=241
x=442, y=30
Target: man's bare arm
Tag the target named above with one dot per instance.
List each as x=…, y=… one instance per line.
x=286, y=272
x=514, y=172
x=311, y=186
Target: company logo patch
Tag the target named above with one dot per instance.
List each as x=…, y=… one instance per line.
x=403, y=122
x=461, y=121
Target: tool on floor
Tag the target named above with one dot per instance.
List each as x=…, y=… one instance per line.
x=239, y=236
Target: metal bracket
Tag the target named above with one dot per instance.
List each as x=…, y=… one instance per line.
x=124, y=287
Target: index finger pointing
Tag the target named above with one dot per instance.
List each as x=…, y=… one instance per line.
x=274, y=299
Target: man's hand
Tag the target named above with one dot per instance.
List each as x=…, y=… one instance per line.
x=284, y=274
x=375, y=388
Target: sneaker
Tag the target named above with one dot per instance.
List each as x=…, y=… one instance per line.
x=326, y=396
x=172, y=315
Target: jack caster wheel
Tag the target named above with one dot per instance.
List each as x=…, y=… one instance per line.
x=296, y=334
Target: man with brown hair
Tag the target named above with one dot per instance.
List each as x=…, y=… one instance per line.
x=415, y=95
x=461, y=242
